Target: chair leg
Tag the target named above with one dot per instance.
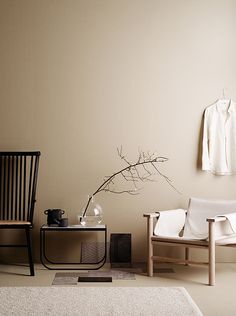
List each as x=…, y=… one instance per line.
x=211, y=253
x=150, y=265
x=29, y=246
x=187, y=252
x=150, y=247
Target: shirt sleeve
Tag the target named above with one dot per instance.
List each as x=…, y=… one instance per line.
x=205, y=143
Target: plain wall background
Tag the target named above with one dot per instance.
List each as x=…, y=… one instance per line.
x=80, y=78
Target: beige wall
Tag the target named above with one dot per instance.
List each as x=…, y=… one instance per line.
x=79, y=78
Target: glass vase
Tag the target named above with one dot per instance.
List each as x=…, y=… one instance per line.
x=93, y=215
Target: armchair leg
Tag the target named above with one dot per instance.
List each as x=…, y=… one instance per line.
x=211, y=253
x=150, y=266
x=29, y=247
x=187, y=252
x=150, y=247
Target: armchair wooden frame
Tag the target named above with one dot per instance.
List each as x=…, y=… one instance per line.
x=208, y=244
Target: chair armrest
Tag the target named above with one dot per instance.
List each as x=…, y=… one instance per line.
x=156, y=214
x=151, y=215
x=216, y=219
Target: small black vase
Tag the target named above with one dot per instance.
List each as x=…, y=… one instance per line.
x=54, y=216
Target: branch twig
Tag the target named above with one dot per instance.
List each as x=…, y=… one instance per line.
x=133, y=172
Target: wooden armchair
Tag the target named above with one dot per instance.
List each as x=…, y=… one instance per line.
x=204, y=225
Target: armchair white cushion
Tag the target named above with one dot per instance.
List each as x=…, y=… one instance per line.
x=170, y=223
x=199, y=210
x=192, y=223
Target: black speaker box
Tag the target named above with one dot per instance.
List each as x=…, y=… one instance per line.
x=120, y=250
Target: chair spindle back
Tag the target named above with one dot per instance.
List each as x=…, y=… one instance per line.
x=18, y=181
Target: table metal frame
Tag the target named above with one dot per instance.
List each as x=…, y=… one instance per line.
x=80, y=266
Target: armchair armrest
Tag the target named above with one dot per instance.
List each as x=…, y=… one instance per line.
x=151, y=215
x=216, y=219
x=156, y=214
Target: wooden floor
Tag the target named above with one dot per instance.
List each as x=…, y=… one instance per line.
x=219, y=300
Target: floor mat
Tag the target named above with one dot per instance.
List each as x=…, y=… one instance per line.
x=71, y=278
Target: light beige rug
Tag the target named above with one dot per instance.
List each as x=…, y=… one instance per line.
x=97, y=301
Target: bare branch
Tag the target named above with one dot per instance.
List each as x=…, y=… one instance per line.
x=133, y=172
x=122, y=156
x=131, y=192
x=144, y=167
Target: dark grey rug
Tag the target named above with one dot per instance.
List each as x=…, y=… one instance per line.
x=66, y=278
x=71, y=278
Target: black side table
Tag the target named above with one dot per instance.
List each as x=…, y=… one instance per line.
x=72, y=228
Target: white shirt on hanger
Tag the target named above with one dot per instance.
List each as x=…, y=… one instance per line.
x=219, y=138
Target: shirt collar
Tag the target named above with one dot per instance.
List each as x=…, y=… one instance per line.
x=229, y=102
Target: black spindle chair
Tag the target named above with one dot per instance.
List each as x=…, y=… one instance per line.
x=18, y=181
